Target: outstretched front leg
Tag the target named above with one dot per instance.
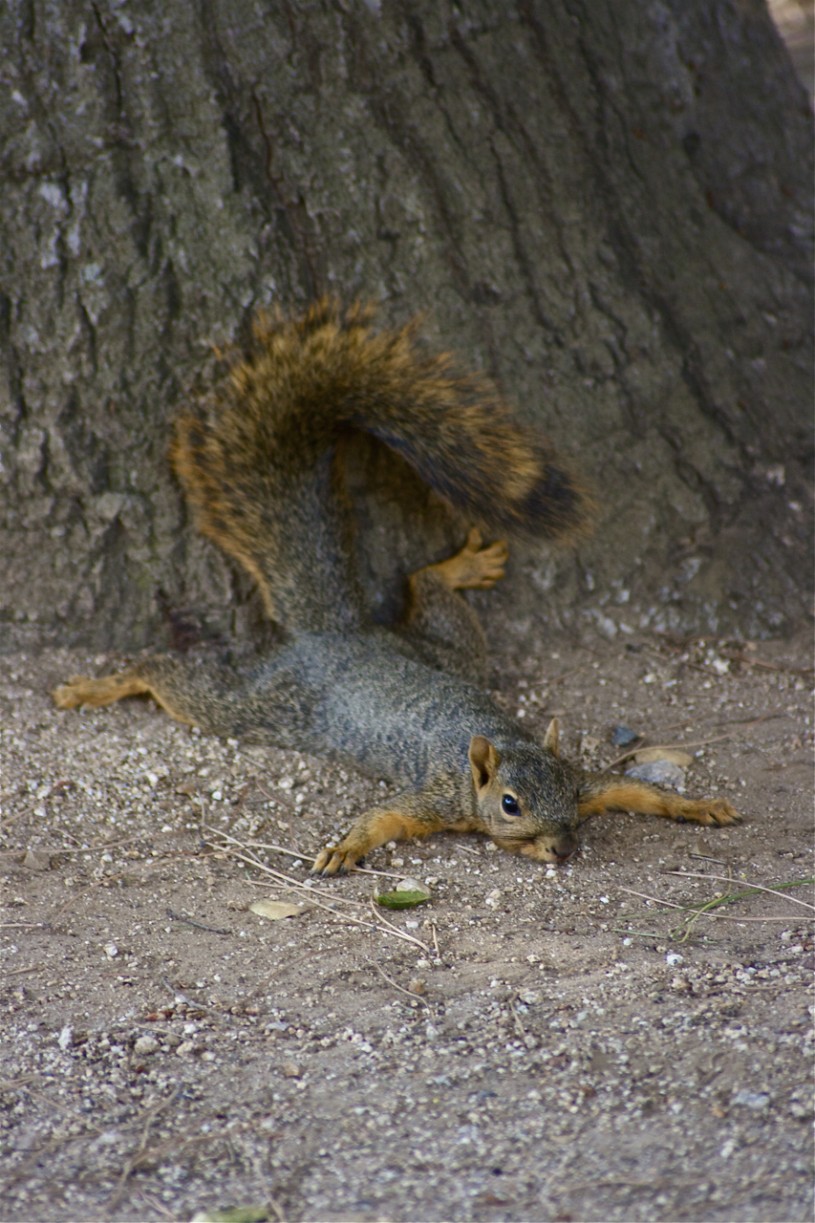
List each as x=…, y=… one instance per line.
x=598, y=794
x=408, y=816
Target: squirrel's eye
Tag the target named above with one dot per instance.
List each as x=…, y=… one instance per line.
x=510, y=804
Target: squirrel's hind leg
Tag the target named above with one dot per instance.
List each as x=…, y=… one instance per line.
x=83, y=690
x=200, y=695
x=439, y=622
x=476, y=566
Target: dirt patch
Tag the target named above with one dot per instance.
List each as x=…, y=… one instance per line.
x=545, y=1044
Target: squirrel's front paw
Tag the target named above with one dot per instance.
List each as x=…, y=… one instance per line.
x=721, y=811
x=714, y=812
x=335, y=860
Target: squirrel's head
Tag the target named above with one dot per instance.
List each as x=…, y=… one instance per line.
x=526, y=797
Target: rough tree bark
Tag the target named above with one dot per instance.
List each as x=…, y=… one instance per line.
x=604, y=205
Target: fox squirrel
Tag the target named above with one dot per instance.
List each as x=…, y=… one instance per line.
x=260, y=462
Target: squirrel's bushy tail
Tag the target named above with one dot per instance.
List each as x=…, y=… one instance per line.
x=257, y=463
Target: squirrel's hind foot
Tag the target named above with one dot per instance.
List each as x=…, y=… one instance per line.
x=477, y=566
x=83, y=690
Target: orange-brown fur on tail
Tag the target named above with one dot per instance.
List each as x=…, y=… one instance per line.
x=257, y=458
x=259, y=462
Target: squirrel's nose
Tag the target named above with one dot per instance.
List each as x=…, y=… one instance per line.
x=563, y=848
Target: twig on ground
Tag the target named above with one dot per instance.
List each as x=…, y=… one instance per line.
x=753, y=887
x=384, y=925
x=693, y=911
x=519, y=1027
x=157, y=1206
x=400, y=988
x=289, y=881
x=663, y=747
x=15, y=1084
x=197, y=925
x=307, y=857
x=280, y=876
x=657, y=900
x=193, y=1004
x=144, y=1153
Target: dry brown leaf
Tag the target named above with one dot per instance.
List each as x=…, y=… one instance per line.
x=646, y=755
x=276, y=910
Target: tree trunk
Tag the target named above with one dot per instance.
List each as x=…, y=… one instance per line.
x=605, y=206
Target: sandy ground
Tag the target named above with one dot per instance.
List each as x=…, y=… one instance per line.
x=582, y=1043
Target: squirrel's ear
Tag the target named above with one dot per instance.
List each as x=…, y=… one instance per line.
x=551, y=740
x=484, y=761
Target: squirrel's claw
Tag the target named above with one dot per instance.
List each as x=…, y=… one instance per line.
x=334, y=860
x=476, y=566
x=713, y=811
